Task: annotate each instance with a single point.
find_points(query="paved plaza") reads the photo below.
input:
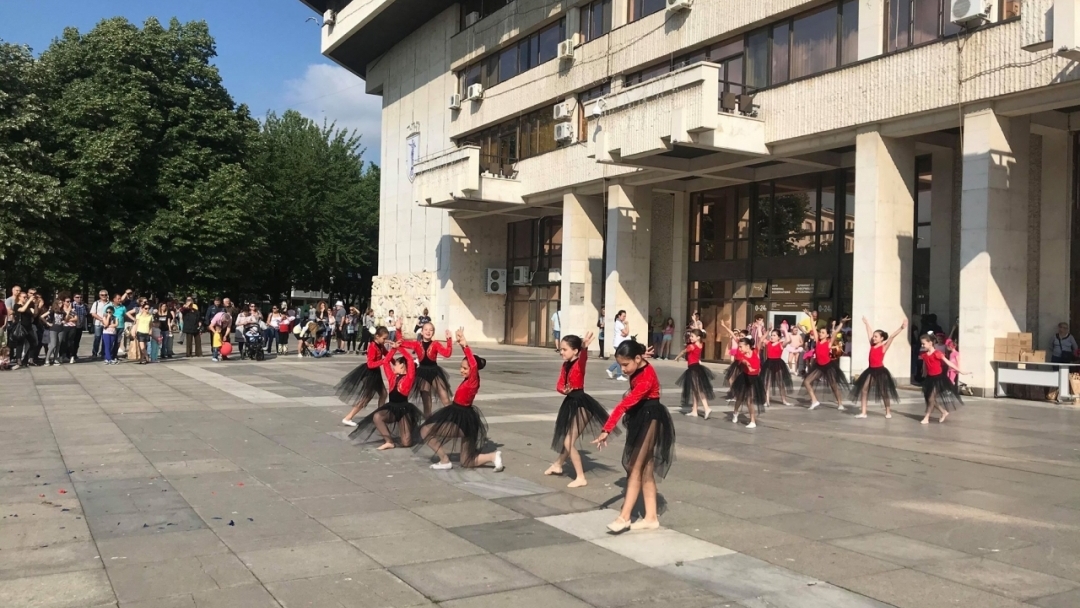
(234, 485)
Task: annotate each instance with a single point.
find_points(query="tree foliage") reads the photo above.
(124, 162)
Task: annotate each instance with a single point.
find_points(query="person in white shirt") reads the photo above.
(391, 326)
(97, 312)
(621, 334)
(556, 328)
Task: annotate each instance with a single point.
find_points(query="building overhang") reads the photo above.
(457, 180)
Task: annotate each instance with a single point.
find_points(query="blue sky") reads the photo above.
(268, 54)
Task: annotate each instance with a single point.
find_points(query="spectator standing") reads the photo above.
(192, 324)
(391, 325)
(422, 320)
(120, 314)
(24, 334)
(144, 325)
(656, 329)
(273, 325)
(1063, 347)
(352, 326)
(285, 329)
(5, 328)
(159, 330)
(248, 317)
(368, 329)
(234, 313)
(69, 332)
(556, 328)
(600, 334)
(211, 312)
(108, 335)
(97, 313)
(339, 325)
(78, 307)
(53, 320)
(3, 323)
(622, 333)
(124, 336)
(39, 325)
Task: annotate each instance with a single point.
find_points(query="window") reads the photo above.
(849, 32)
(781, 41)
(549, 39)
(475, 10)
(503, 145)
(757, 59)
(807, 44)
(520, 57)
(813, 42)
(644, 8)
(911, 22)
(721, 224)
(595, 19)
(728, 54)
(594, 93)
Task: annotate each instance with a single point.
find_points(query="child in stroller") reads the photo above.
(253, 347)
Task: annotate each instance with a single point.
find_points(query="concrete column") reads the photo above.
(871, 28)
(628, 243)
(680, 264)
(885, 217)
(1054, 268)
(582, 263)
(941, 192)
(993, 238)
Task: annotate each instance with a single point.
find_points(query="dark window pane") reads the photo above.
(549, 40)
(849, 201)
(534, 50)
(757, 59)
(813, 46)
(525, 60)
(643, 8)
(922, 235)
(726, 49)
(781, 39)
(898, 24)
(472, 75)
(849, 32)
(733, 75)
(508, 64)
(927, 19)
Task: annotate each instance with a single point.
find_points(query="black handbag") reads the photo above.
(17, 333)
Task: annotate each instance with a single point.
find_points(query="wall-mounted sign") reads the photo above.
(824, 288)
(791, 289)
(412, 154)
(757, 289)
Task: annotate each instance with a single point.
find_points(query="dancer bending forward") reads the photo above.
(650, 437)
(365, 380)
(397, 415)
(876, 382)
(461, 422)
(696, 381)
(579, 412)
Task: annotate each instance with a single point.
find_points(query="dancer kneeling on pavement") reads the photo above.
(748, 387)
(365, 381)
(579, 411)
(876, 382)
(397, 414)
(696, 381)
(461, 422)
(650, 437)
(826, 370)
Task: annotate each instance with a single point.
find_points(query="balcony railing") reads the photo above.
(497, 165)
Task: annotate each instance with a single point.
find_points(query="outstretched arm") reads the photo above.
(869, 332)
(892, 336)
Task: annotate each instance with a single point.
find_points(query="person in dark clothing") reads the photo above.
(193, 326)
(211, 312)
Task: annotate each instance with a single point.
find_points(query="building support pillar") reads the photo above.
(582, 264)
(941, 218)
(993, 238)
(1054, 236)
(884, 245)
(629, 240)
(680, 266)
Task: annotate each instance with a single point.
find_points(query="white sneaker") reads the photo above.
(735, 418)
(814, 405)
(347, 422)
(610, 374)
(499, 467)
(72, 360)
(623, 379)
(300, 355)
(439, 466)
(860, 415)
(752, 425)
(840, 407)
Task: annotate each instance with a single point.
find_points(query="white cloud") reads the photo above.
(333, 93)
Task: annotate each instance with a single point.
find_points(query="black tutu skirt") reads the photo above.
(458, 428)
(878, 384)
(696, 379)
(637, 421)
(590, 415)
(947, 396)
(775, 373)
(733, 371)
(402, 415)
(826, 375)
(751, 390)
(361, 384)
(429, 376)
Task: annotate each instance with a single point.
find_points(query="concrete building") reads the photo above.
(737, 157)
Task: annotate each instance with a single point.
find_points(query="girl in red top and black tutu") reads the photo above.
(365, 381)
(826, 370)
(748, 387)
(650, 437)
(461, 422)
(876, 382)
(696, 381)
(397, 415)
(938, 391)
(579, 412)
(774, 371)
(429, 376)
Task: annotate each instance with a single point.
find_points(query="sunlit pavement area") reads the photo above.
(234, 484)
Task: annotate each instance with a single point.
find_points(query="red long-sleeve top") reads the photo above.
(433, 350)
(693, 354)
(466, 391)
(643, 385)
(375, 355)
(572, 374)
(394, 382)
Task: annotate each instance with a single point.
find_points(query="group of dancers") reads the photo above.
(391, 373)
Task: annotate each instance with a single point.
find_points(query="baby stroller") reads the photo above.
(253, 347)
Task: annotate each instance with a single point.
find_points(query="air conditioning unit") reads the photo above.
(969, 12)
(329, 17)
(522, 276)
(475, 92)
(495, 281)
(562, 111)
(1066, 29)
(564, 131)
(471, 18)
(455, 102)
(679, 5)
(566, 50)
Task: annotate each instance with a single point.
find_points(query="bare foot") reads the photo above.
(888, 414)
(708, 412)
(553, 470)
(943, 417)
(578, 483)
(386, 446)
(925, 421)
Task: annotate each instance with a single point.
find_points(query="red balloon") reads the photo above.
(226, 349)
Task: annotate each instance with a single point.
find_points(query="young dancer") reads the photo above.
(748, 387)
(794, 349)
(876, 381)
(430, 377)
(461, 422)
(397, 415)
(826, 369)
(650, 437)
(696, 381)
(733, 351)
(579, 411)
(937, 390)
(665, 341)
(775, 370)
(365, 381)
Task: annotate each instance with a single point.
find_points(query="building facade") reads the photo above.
(869, 158)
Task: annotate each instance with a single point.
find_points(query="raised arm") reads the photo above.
(445, 350)
(892, 336)
(869, 332)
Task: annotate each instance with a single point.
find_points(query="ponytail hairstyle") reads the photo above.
(700, 333)
(884, 335)
(630, 349)
(381, 331)
(747, 341)
(930, 337)
(481, 362)
(573, 341)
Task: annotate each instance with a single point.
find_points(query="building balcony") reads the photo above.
(463, 179)
(673, 120)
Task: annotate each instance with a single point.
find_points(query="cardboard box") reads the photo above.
(1013, 334)
(1027, 342)
(1007, 356)
(1001, 345)
(1014, 342)
(1037, 356)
